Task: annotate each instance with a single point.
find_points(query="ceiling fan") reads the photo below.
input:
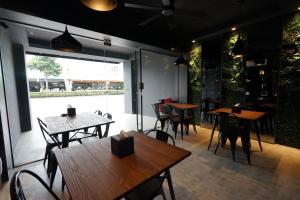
(168, 11)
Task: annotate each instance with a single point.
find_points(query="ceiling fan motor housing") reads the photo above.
(167, 12)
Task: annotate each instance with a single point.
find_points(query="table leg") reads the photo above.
(213, 130)
(258, 135)
(246, 141)
(194, 121)
(170, 184)
(99, 130)
(65, 139)
(181, 122)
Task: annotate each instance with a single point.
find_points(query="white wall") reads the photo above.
(160, 80)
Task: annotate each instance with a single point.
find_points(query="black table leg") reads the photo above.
(99, 130)
(181, 122)
(246, 141)
(194, 121)
(213, 131)
(170, 184)
(258, 135)
(65, 139)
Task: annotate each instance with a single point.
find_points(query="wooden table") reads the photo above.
(64, 125)
(181, 107)
(246, 115)
(91, 171)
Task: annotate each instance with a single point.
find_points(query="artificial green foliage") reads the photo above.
(195, 68)
(232, 73)
(290, 56)
(195, 77)
(288, 123)
(46, 65)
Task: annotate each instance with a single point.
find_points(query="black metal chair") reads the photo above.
(51, 142)
(160, 115)
(231, 127)
(161, 135)
(153, 187)
(16, 190)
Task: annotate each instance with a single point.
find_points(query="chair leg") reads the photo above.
(233, 145)
(219, 140)
(46, 155)
(162, 122)
(155, 124)
(163, 193)
(53, 172)
(213, 131)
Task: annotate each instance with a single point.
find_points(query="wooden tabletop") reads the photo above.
(245, 114)
(59, 124)
(91, 171)
(183, 106)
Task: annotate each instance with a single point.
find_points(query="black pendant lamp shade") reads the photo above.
(239, 48)
(181, 61)
(66, 43)
(100, 5)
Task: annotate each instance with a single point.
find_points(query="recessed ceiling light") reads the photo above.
(193, 41)
(173, 49)
(299, 8)
(233, 28)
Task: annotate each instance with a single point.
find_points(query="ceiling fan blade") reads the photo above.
(191, 13)
(132, 5)
(171, 22)
(166, 3)
(149, 20)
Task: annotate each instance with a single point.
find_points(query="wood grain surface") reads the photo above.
(91, 171)
(245, 114)
(59, 124)
(182, 106)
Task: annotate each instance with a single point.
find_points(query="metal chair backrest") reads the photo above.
(98, 112)
(16, 190)
(108, 116)
(45, 132)
(227, 120)
(156, 109)
(162, 136)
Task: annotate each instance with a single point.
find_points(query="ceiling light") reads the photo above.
(193, 41)
(173, 49)
(299, 8)
(66, 43)
(239, 49)
(233, 28)
(181, 61)
(100, 5)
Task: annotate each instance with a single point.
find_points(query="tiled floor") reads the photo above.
(274, 173)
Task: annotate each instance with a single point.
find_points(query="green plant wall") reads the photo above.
(232, 72)
(194, 86)
(288, 125)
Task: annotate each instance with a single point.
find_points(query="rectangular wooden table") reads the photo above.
(91, 171)
(181, 107)
(246, 115)
(64, 125)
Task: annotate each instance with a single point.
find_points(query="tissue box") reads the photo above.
(71, 112)
(122, 147)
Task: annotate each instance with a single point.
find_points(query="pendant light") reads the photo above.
(100, 5)
(181, 61)
(239, 48)
(66, 43)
